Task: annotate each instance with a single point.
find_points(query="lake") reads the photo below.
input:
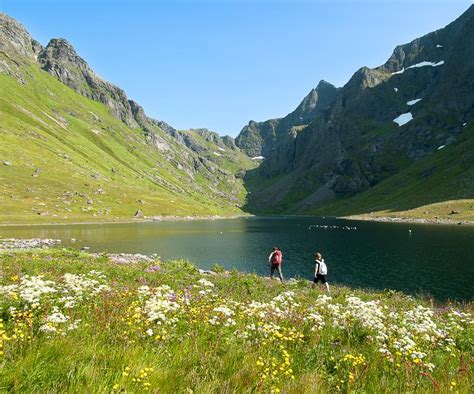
(431, 259)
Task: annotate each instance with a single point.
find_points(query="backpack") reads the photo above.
(322, 268)
(275, 257)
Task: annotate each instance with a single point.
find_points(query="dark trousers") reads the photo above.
(278, 268)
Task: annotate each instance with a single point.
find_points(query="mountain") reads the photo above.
(395, 138)
(73, 147)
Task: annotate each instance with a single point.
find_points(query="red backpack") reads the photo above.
(276, 257)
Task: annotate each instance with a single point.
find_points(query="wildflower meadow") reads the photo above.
(72, 321)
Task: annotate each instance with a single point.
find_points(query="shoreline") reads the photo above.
(152, 219)
(389, 219)
(130, 259)
(190, 218)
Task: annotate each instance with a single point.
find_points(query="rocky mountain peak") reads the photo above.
(15, 39)
(429, 47)
(367, 77)
(59, 59)
(324, 85)
(16, 48)
(61, 49)
(259, 138)
(316, 101)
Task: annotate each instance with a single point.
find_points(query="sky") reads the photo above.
(221, 63)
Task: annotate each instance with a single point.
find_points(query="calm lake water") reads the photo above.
(432, 259)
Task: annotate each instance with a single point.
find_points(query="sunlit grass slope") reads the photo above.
(64, 158)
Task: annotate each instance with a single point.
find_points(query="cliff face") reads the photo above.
(381, 122)
(260, 138)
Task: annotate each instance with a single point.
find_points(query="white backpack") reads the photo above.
(322, 268)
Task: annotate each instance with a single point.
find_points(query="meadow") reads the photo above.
(77, 322)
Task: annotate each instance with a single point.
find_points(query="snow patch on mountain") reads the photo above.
(424, 64)
(403, 119)
(413, 102)
(421, 64)
(399, 72)
(258, 158)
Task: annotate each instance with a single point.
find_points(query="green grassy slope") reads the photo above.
(72, 161)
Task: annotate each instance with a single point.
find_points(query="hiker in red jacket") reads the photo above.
(274, 260)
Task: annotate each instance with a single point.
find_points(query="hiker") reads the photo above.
(320, 271)
(275, 262)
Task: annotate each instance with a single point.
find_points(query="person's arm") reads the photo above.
(316, 268)
(270, 257)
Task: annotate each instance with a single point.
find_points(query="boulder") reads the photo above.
(139, 214)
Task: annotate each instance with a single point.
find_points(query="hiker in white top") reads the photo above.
(320, 271)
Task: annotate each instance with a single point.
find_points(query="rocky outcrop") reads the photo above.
(15, 41)
(61, 60)
(17, 48)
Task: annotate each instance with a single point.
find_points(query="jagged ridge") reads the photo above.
(355, 145)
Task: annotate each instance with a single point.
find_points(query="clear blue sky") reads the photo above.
(219, 64)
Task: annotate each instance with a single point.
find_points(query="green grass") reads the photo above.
(83, 154)
(310, 344)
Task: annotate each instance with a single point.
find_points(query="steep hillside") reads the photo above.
(74, 148)
(394, 138)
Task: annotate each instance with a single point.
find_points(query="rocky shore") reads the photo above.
(129, 258)
(33, 243)
(388, 219)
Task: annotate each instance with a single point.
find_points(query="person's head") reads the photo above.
(318, 256)
(275, 248)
